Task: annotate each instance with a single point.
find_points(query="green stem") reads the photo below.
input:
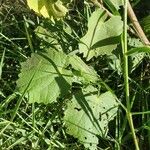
(125, 49)
(28, 35)
(33, 115)
(140, 113)
(126, 77)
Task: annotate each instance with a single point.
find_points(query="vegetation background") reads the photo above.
(39, 126)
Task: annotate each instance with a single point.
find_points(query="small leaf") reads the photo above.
(58, 9)
(48, 37)
(134, 42)
(115, 63)
(51, 79)
(102, 36)
(136, 56)
(88, 115)
(135, 60)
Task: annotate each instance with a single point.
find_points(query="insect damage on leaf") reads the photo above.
(88, 115)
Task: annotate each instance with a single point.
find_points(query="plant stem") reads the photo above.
(125, 49)
(126, 77)
(130, 120)
(137, 26)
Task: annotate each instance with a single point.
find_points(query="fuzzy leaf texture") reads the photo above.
(88, 114)
(48, 8)
(102, 36)
(51, 79)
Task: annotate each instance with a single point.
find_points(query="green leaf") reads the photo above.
(82, 70)
(136, 56)
(48, 37)
(137, 50)
(117, 3)
(48, 8)
(51, 79)
(102, 36)
(113, 6)
(135, 60)
(134, 42)
(115, 63)
(88, 114)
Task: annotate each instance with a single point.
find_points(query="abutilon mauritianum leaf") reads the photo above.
(50, 80)
(88, 114)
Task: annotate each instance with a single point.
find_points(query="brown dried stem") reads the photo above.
(137, 26)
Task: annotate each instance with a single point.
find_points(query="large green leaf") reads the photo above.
(51, 79)
(102, 36)
(88, 114)
(82, 71)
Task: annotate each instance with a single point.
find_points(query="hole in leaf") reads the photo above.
(78, 109)
(100, 116)
(107, 115)
(90, 144)
(85, 138)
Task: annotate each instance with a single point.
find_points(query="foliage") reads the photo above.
(51, 79)
(68, 81)
(101, 38)
(87, 115)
